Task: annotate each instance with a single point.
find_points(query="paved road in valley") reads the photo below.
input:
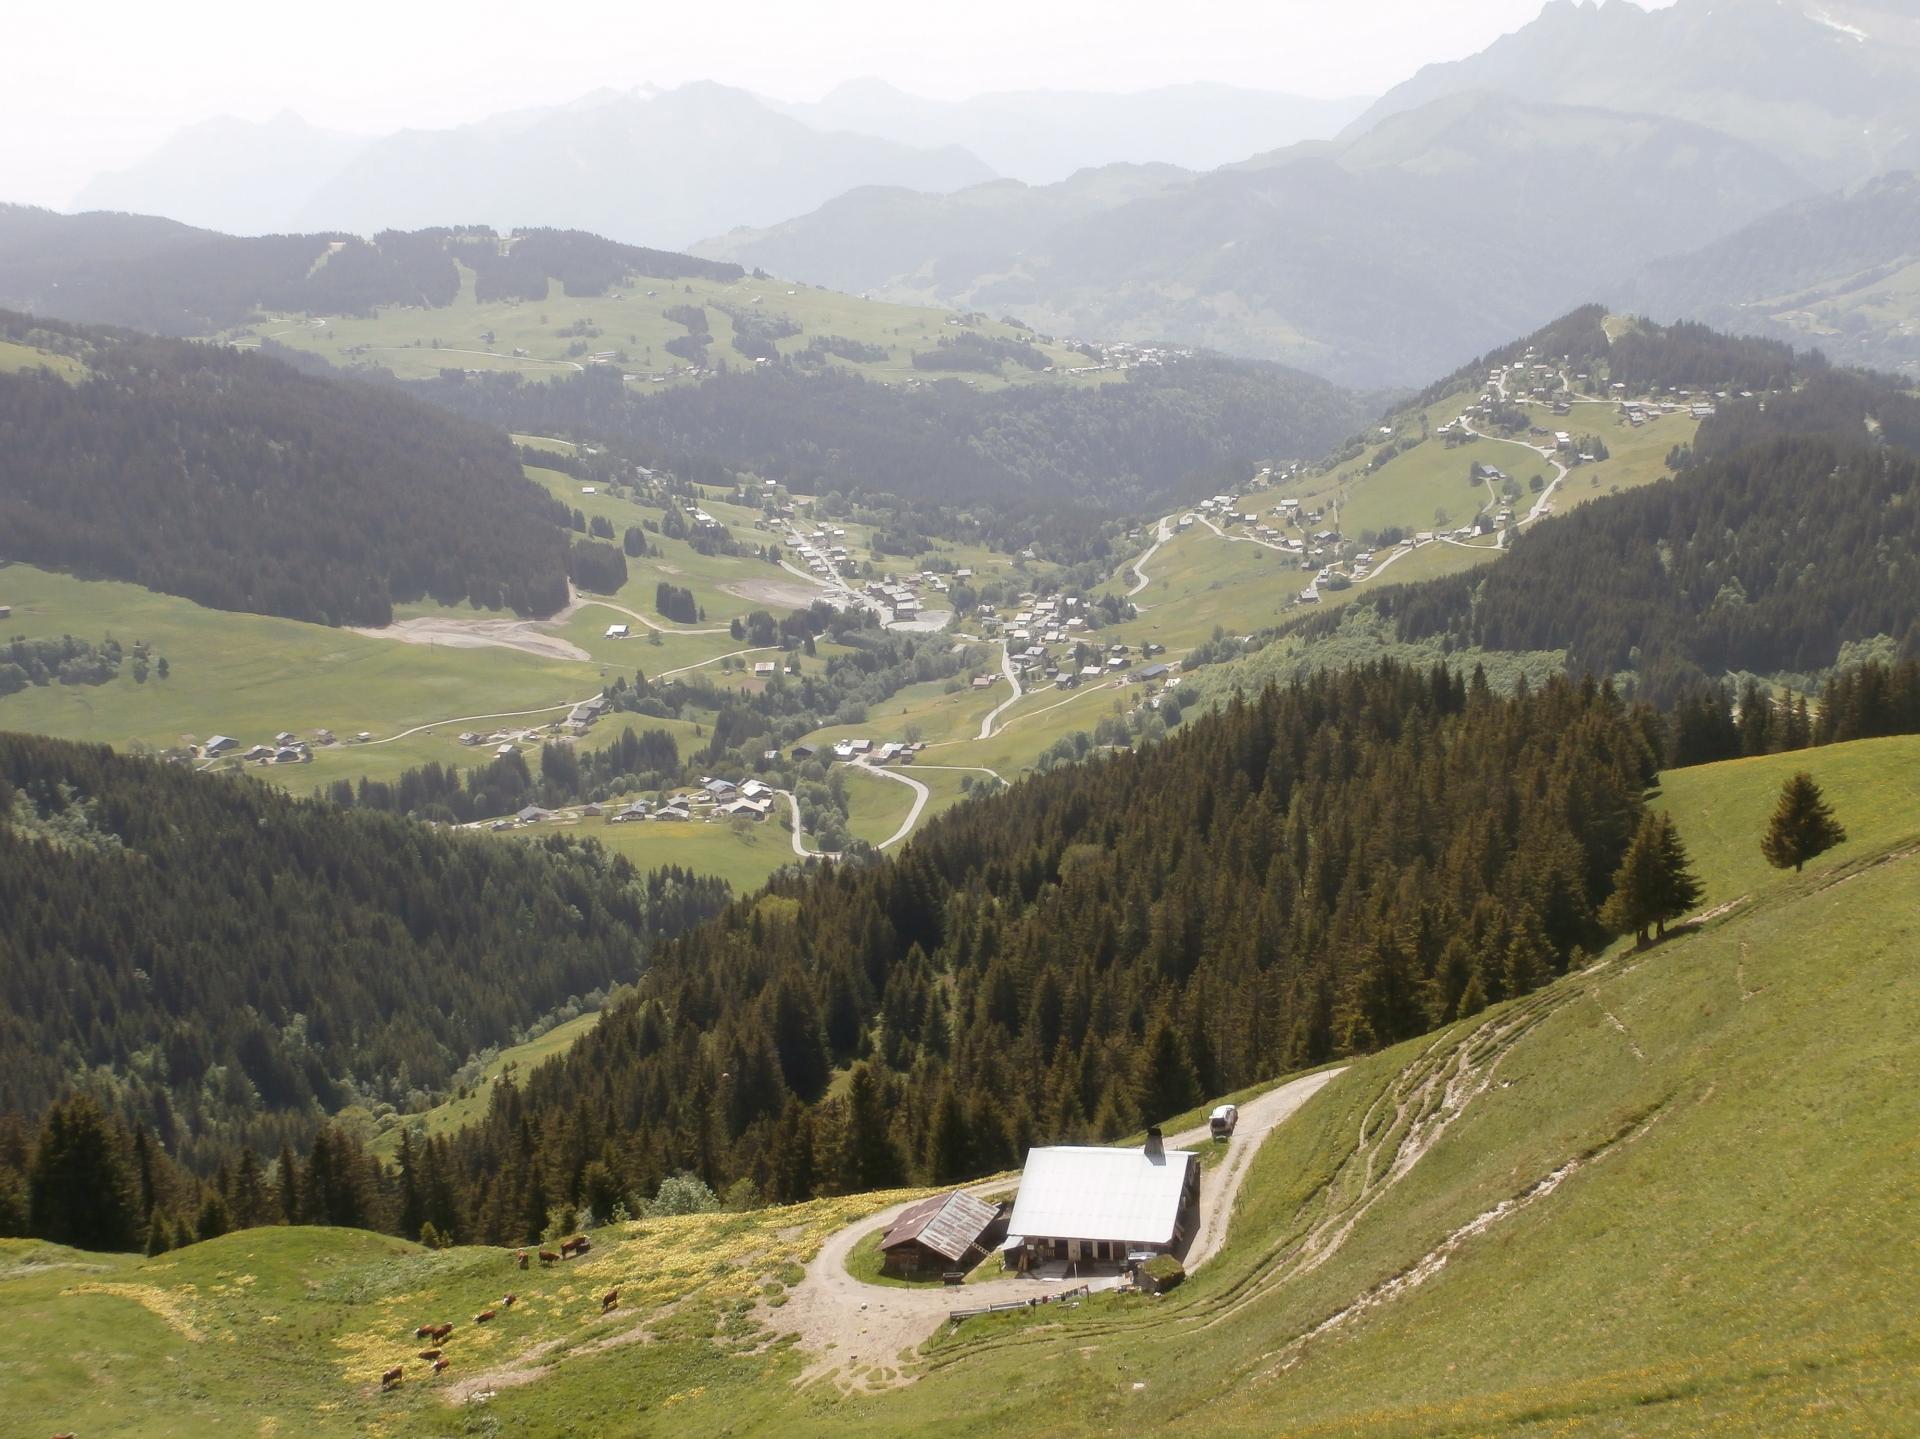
(1013, 682)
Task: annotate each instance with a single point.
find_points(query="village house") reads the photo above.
(219, 744)
(945, 1232)
(1093, 1205)
(617, 632)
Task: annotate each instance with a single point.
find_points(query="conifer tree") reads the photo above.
(81, 1189)
(1802, 825)
(869, 1159)
(213, 1220)
(1168, 1085)
(1653, 883)
(286, 1186)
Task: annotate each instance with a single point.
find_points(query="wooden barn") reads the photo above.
(943, 1232)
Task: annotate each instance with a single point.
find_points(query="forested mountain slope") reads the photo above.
(1837, 271)
(1170, 431)
(1318, 872)
(1687, 1165)
(236, 481)
(230, 965)
(1795, 530)
(154, 274)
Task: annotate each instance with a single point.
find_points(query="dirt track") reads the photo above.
(847, 1325)
(790, 593)
(477, 634)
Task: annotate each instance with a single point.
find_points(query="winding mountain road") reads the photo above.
(843, 1322)
(1141, 578)
(921, 794)
(1013, 683)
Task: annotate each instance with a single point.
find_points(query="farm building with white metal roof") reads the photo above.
(1099, 1205)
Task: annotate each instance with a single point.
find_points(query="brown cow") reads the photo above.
(579, 1244)
(429, 1354)
(440, 1332)
(547, 1256)
(440, 1365)
(423, 1331)
(392, 1377)
(507, 1303)
(609, 1300)
(485, 1316)
(522, 1258)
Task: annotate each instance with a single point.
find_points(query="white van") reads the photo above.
(1222, 1121)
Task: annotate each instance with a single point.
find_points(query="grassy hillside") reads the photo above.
(632, 322)
(1691, 1168)
(1722, 809)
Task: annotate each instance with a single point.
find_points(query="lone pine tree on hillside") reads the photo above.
(1653, 883)
(1802, 825)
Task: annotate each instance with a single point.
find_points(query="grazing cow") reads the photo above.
(579, 1244)
(485, 1316)
(507, 1303)
(440, 1365)
(423, 1331)
(440, 1332)
(392, 1377)
(429, 1354)
(522, 1257)
(609, 1300)
(547, 1256)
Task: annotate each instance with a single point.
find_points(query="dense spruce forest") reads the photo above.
(1165, 433)
(1320, 871)
(1766, 559)
(227, 966)
(237, 482)
(172, 279)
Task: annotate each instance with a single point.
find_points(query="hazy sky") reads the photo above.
(95, 84)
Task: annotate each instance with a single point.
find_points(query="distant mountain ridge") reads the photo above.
(1832, 86)
(173, 279)
(646, 167)
(667, 167)
(1378, 259)
(1041, 136)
